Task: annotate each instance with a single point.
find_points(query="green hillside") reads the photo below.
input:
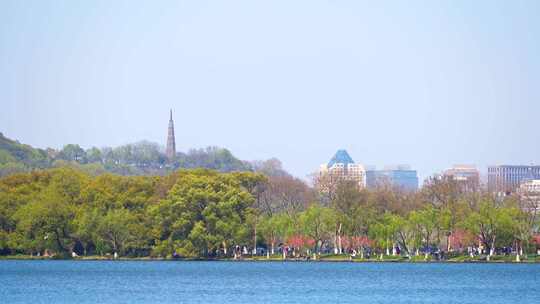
(141, 158)
(17, 157)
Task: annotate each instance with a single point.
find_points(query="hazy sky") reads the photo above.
(427, 83)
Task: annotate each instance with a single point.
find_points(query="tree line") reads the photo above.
(141, 158)
(204, 213)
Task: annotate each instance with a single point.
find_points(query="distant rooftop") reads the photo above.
(400, 167)
(464, 166)
(341, 157)
(516, 166)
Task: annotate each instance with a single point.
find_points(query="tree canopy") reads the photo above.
(207, 213)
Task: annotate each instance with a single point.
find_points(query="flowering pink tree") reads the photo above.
(358, 243)
(300, 242)
(536, 240)
(460, 239)
(346, 243)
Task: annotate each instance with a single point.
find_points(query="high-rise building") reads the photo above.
(170, 151)
(466, 175)
(399, 177)
(507, 179)
(342, 167)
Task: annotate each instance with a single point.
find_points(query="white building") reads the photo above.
(342, 167)
(531, 186)
(529, 193)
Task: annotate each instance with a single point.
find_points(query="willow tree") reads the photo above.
(318, 223)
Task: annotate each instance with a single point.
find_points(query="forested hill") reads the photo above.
(16, 157)
(141, 158)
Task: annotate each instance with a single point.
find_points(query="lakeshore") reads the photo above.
(530, 259)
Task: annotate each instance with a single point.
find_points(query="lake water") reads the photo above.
(76, 282)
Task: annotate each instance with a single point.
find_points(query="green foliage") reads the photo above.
(206, 210)
(12, 151)
(65, 210)
(211, 158)
(141, 158)
(118, 230)
(6, 157)
(495, 223)
(16, 157)
(384, 231)
(318, 223)
(73, 152)
(46, 222)
(206, 213)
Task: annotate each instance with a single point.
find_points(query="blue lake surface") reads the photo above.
(265, 282)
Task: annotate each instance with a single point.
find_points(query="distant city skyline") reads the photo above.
(420, 83)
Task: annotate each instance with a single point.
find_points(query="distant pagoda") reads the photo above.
(171, 144)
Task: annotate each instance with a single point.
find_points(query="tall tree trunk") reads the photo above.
(404, 244)
(59, 243)
(336, 242)
(255, 241)
(518, 251)
(340, 247)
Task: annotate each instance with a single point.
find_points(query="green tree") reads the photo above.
(318, 223)
(489, 222)
(384, 231)
(86, 225)
(47, 222)
(117, 229)
(426, 223)
(94, 155)
(217, 203)
(73, 152)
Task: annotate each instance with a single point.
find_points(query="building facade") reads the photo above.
(400, 177)
(342, 167)
(530, 186)
(507, 179)
(529, 193)
(466, 175)
(170, 151)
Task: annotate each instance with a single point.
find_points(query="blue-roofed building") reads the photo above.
(341, 157)
(400, 177)
(342, 167)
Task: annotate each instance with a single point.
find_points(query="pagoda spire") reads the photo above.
(171, 143)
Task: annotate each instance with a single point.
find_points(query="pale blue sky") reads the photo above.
(428, 83)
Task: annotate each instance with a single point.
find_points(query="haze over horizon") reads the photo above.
(420, 83)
